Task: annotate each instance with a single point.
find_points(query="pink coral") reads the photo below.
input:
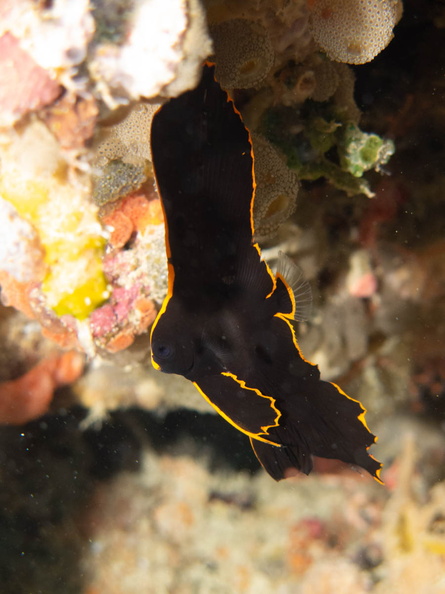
(28, 397)
(102, 320)
(26, 86)
(115, 324)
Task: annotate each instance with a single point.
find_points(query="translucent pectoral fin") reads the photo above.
(301, 293)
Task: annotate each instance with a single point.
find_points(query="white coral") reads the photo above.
(56, 37)
(162, 55)
(21, 254)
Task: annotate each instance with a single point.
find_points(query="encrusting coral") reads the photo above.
(138, 274)
(62, 261)
(123, 161)
(317, 78)
(327, 78)
(129, 138)
(273, 50)
(247, 62)
(55, 266)
(116, 179)
(56, 36)
(34, 179)
(276, 188)
(353, 31)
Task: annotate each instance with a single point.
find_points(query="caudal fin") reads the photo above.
(327, 423)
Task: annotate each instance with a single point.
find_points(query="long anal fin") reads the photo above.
(245, 408)
(278, 460)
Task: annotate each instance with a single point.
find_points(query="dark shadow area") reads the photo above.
(45, 483)
(386, 80)
(184, 432)
(49, 470)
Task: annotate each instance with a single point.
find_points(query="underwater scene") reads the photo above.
(222, 296)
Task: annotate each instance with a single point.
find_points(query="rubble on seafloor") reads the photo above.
(126, 484)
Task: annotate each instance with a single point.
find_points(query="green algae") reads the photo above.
(318, 142)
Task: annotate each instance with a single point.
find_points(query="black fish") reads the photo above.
(227, 323)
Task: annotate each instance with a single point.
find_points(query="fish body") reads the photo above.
(227, 323)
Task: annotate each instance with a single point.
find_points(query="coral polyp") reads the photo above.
(354, 31)
(276, 188)
(245, 62)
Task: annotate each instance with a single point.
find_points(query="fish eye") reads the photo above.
(163, 351)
